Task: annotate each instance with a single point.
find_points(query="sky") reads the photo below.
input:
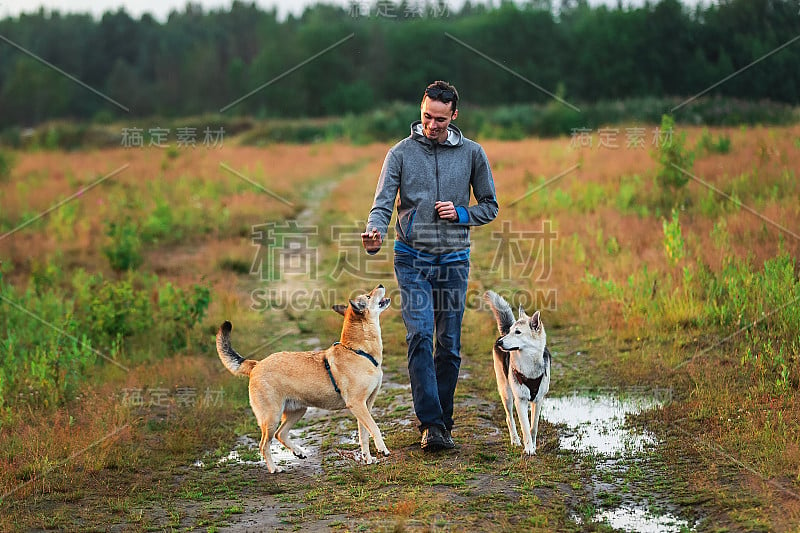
(161, 8)
(158, 8)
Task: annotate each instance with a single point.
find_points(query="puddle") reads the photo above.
(234, 457)
(595, 424)
(248, 447)
(637, 519)
(245, 449)
(350, 439)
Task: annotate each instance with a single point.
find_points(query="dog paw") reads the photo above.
(276, 470)
(516, 442)
(385, 452)
(370, 460)
(530, 453)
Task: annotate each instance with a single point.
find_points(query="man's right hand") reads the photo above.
(372, 240)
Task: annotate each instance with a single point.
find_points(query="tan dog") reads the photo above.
(346, 375)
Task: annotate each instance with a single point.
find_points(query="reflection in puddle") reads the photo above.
(234, 456)
(596, 425)
(636, 519)
(283, 457)
(597, 422)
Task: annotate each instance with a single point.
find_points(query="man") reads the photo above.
(433, 170)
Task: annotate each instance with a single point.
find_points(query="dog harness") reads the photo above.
(359, 352)
(532, 384)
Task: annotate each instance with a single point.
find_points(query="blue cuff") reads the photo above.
(463, 214)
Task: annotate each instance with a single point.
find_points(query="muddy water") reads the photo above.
(641, 520)
(245, 452)
(595, 425)
(592, 425)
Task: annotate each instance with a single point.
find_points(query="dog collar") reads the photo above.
(359, 352)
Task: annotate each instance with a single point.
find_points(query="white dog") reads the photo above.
(522, 367)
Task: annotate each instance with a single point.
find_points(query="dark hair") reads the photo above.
(442, 92)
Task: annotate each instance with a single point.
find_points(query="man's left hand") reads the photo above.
(446, 210)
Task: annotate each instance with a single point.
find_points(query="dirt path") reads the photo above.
(260, 511)
(619, 477)
(593, 467)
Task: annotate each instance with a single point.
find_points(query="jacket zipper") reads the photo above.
(438, 195)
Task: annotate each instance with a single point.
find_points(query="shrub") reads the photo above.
(707, 144)
(45, 362)
(160, 224)
(117, 311)
(178, 312)
(6, 164)
(238, 266)
(124, 252)
(674, 158)
(41, 363)
(764, 305)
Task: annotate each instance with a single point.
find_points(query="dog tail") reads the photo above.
(502, 311)
(235, 363)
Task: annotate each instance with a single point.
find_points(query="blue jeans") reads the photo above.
(433, 298)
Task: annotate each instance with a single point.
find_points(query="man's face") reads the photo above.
(436, 116)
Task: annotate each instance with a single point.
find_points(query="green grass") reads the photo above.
(739, 397)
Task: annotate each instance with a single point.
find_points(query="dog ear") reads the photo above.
(358, 307)
(339, 308)
(536, 321)
(521, 313)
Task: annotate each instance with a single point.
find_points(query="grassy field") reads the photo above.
(116, 413)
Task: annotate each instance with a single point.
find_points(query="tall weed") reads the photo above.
(674, 159)
(763, 304)
(756, 309)
(674, 245)
(42, 361)
(53, 333)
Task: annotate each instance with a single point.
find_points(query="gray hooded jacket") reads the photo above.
(424, 172)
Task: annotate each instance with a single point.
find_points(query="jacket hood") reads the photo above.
(454, 135)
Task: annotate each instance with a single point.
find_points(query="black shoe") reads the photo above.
(448, 440)
(433, 439)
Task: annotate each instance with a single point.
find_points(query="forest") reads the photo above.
(367, 55)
